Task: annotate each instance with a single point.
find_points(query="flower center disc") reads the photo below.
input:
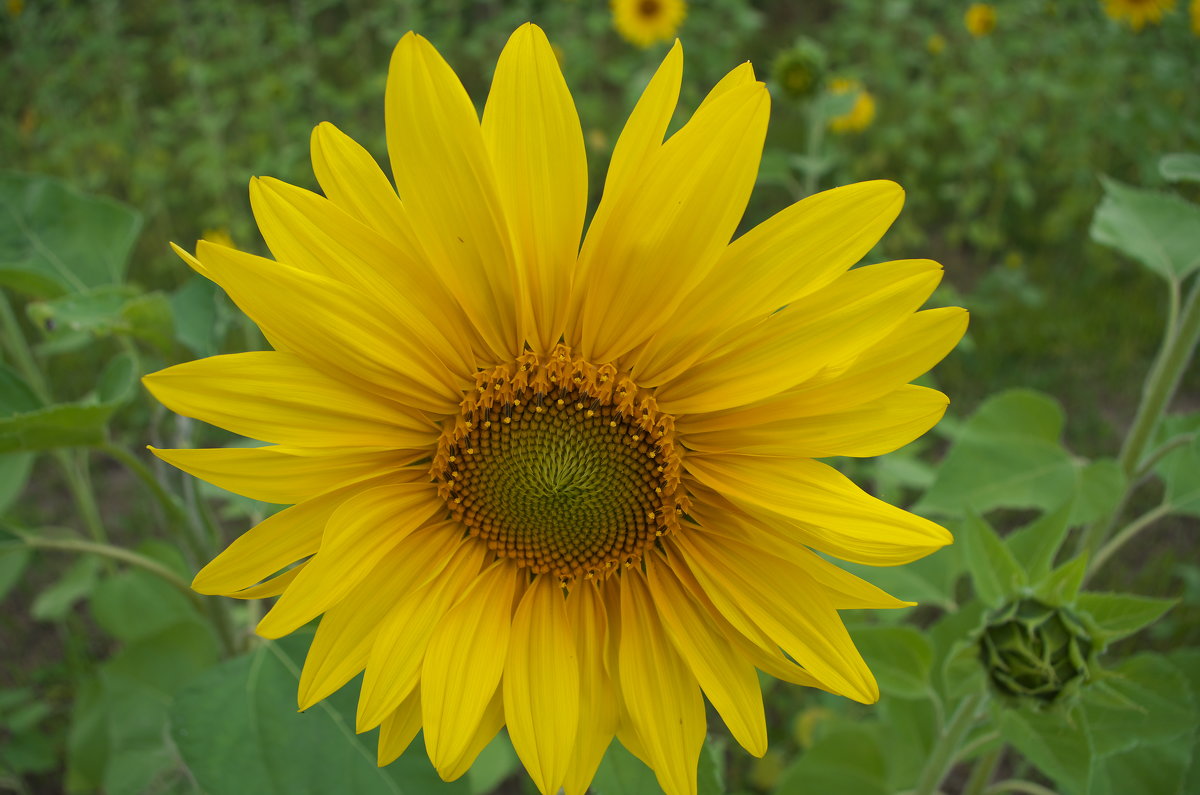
(561, 465)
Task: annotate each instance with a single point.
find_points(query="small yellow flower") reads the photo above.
(218, 236)
(643, 22)
(935, 44)
(15, 7)
(1195, 13)
(980, 19)
(859, 117)
(1136, 13)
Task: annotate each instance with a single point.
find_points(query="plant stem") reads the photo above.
(982, 772)
(1163, 381)
(14, 339)
(945, 751)
(175, 511)
(1128, 532)
(816, 138)
(80, 487)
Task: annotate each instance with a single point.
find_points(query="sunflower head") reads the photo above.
(935, 44)
(980, 19)
(1138, 13)
(559, 481)
(800, 69)
(861, 113)
(1037, 653)
(644, 22)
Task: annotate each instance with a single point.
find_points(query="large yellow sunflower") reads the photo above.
(1136, 13)
(563, 489)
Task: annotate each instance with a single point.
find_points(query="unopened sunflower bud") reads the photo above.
(1034, 651)
(800, 69)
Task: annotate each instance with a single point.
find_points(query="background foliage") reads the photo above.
(1031, 160)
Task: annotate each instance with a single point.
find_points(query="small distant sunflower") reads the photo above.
(980, 19)
(563, 489)
(1194, 13)
(1136, 13)
(861, 113)
(643, 22)
(936, 44)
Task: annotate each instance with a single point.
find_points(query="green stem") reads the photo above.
(982, 772)
(946, 750)
(1164, 380)
(81, 492)
(1161, 452)
(1019, 785)
(816, 138)
(1125, 535)
(14, 339)
(116, 553)
(175, 511)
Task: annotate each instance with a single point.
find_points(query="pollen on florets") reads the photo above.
(561, 465)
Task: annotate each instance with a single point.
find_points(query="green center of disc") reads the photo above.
(558, 484)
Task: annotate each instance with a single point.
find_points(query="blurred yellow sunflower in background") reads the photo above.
(643, 22)
(980, 19)
(861, 113)
(1194, 13)
(1136, 13)
(563, 489)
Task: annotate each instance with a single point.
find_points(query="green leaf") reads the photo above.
(65, 425)
(15, 393)
(995, 573)
(622, 773)
(900, 657)
(928, 581)
(495, 763)
(1101, 484)
(1119, 614)
(1159, 230)
(1007, 455)
(1148, 702)
(847, 761)
(1037, 544)
(76, 583)
(134, 604)
(1060, 749)
(1061, 586)
(910, 726)
(1180, 167)
(238, 731)
(12, 565)
(54, 239)
(201, 315)
(1180, 468)
(14, 474)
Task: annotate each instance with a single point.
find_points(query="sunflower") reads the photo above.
(1136, 13)
(643, 22)
(980, 19)
(861, 113)
(556, 488)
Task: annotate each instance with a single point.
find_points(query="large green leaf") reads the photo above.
(1180, 167)
(1159, 230)
(847, 761)
(1121, 614)
(900, 657)
(995, 574)
(1060, 748)
(1007, 455)
(1147, 702)
(1180, 468)
(238, 730)
(54, 239)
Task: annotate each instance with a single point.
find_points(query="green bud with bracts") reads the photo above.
(800, 70)
(1035, 652)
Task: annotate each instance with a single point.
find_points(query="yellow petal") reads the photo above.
(448, 185)
(910, 349)
(464, 662)
(854, 312)
(597, 699)
(746, 588)
(485, 732)
(845, 590)
(312, 233)
(643, 133)
(274, 543)
(740, 75)
(362, 530)
(342, 645)
(541, 684)
(397, 731)
(287, 475)
(335, 328)
(869, 429)
(271, 587)
(394, 665)
(794, 253)
(277, 397)
(755, 644)
(532, 133)
(352, 180)
(659, 690)
(843, 515)
(661, 239)
(726, 677)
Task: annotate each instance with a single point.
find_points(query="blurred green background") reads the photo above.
(998, 139)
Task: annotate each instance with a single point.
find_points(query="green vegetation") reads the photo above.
(1068, 468)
